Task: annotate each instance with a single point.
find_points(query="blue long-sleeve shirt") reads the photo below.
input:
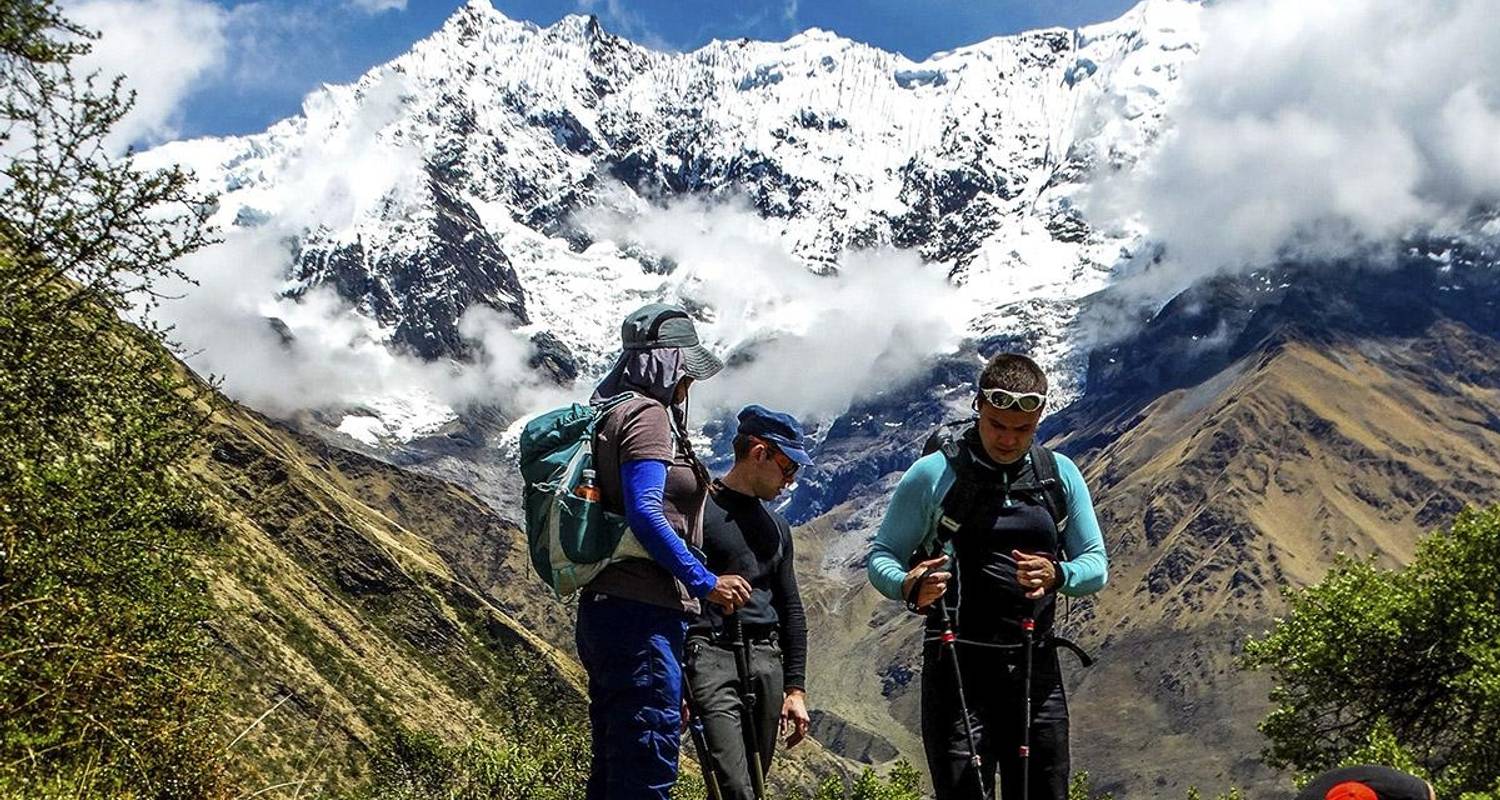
(643, 482)
(911, 523)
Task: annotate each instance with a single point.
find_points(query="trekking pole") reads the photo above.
(1028, 635)
(700, 743)
(705, 760)
(949, 643)
(749, 704)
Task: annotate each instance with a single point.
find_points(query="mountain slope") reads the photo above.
(358, 599)
(1316, 422)
(341, 623)
(1343, 424)
(1229, 491)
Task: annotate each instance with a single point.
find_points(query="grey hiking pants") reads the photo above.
(714, 697)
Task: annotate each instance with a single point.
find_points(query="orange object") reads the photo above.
(586, 488)
(1351, 790)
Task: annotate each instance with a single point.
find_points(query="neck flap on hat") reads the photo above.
(653, 373)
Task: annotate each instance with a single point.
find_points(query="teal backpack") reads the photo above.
(571, 538)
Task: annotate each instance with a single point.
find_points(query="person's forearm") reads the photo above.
(1085, 574)
(886, 570)
(1087, 568)
(793, 633)
(643, 484)
(902, 530)
(900, 534)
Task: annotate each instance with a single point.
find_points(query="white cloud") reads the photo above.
(1318, 130)
(378, 6)
(801, 342)
(814, 343)
(163, 47)
(337, 356)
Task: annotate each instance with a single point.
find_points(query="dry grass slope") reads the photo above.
(340, 619)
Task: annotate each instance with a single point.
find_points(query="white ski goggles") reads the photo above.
(1007, 400)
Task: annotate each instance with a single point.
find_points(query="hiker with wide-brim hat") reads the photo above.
(633, 616)
(747, 671)
(1367, 782)
(981, 535)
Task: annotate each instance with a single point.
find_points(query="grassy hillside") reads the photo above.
(342, 624)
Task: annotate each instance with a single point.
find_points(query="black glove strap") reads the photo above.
(916, 589)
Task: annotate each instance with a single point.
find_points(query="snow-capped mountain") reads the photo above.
(500, 165)
(444, 243)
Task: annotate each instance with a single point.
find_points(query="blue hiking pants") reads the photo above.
(632, 653)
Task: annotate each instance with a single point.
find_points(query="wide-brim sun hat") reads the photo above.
(660, 325)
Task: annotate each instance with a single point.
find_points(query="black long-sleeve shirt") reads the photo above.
(743, 537)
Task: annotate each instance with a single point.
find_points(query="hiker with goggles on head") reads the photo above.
(746, 671)
(981, 535)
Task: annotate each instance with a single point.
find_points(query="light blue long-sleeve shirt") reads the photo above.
(911, 521)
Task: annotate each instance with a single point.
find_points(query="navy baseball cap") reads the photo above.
(779, 429)
(658, 325)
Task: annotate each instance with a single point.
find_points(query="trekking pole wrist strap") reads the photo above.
(916, 590)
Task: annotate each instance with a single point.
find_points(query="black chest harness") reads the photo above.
(991, 512)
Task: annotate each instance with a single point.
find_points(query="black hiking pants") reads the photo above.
(992, 682)
(715, 699)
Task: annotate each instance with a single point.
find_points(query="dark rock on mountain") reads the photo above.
(423, 294)
(881, 435)
(554, 357)
(1207, 327)
(849, 740)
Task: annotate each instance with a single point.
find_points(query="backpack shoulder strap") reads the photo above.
(608, 404)
(784, 532)
(1049, 479)
(956, 503)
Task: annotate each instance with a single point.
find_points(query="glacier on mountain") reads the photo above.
(480, 169)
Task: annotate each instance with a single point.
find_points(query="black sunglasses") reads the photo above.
(784, 462)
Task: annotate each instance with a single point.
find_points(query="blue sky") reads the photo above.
(276, 51)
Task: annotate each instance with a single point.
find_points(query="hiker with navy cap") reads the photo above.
(747, 670)
(633, 615)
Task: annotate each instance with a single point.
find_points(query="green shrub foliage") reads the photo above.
(105, 683)
(1396, 666)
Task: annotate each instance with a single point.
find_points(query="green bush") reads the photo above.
(538, 758)
(105, 673)
(903, 783)
(553, 765)
(1396, 666)
(106, 688)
